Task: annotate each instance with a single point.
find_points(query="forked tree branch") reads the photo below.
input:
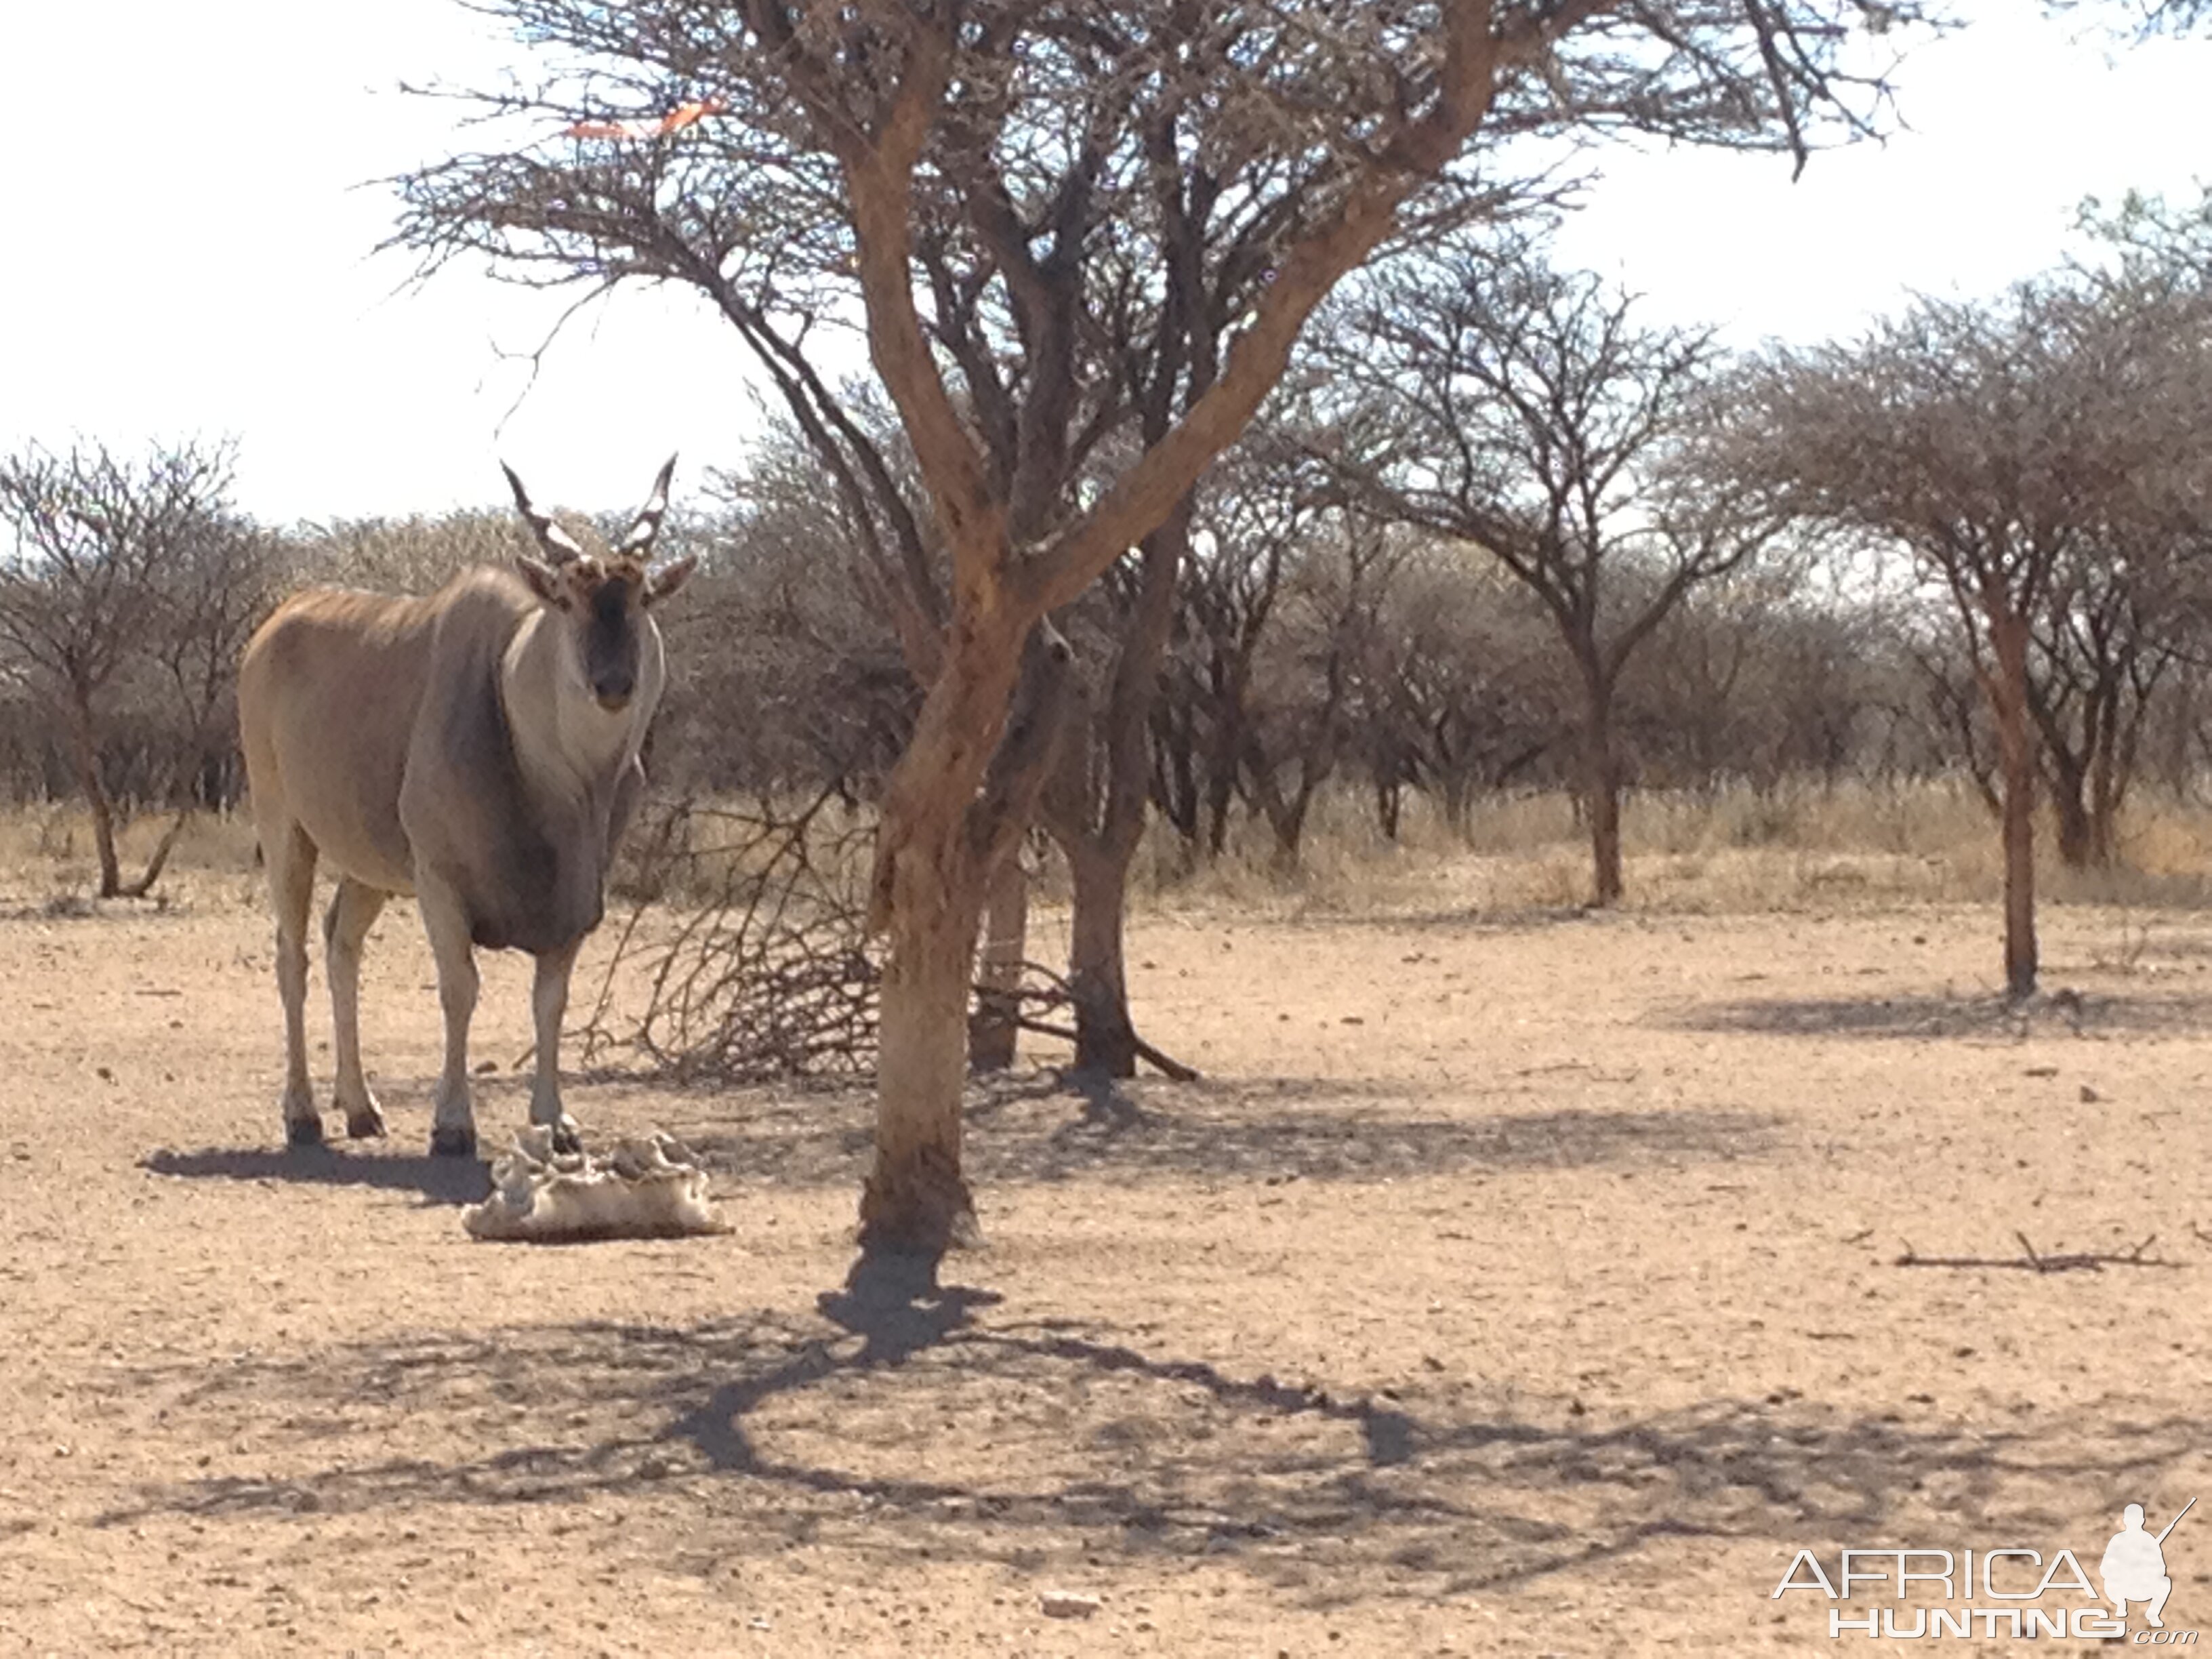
(1310, 267)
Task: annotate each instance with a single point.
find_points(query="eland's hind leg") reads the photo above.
(290, 857)
(453, 1119)
(548, 1002)
(353, 911)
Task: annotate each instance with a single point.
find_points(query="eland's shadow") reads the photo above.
(439, 1180)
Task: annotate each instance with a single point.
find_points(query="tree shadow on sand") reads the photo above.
(1989, 1018)
(1046, 1129)
(905, 1419)
(437, 1179)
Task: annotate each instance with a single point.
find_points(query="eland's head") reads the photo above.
(602, 602)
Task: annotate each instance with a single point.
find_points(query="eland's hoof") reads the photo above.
(365, 1123)
(303, 1132)
(447, 1142)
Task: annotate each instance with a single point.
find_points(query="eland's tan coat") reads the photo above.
(478, 749)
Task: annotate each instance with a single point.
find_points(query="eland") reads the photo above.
(477, 749)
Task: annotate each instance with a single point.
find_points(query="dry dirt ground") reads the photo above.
(1508, 1287)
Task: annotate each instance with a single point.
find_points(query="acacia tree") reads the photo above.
(2000, 445)
(1521, 409)
(2126, 604)
(1315, 669)
(951, 167)
(2102, 646)
(116, 565)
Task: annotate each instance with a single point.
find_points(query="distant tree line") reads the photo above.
(1491, 535)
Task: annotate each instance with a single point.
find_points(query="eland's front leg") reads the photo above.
(452, 1119)
(548, 1003)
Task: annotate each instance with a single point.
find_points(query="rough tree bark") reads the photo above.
(937, 853)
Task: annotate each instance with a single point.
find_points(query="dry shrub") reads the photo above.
(744, 954)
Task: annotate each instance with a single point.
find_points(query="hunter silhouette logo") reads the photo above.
(2133, 1567)
(2009, 1591)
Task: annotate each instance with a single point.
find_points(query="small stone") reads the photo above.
(2089, 1097)
(1068, 1604)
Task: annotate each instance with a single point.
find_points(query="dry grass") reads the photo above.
(1734, 853)
(47, 861)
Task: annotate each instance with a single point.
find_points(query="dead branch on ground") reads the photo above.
(2033, 1261)
(769, 972)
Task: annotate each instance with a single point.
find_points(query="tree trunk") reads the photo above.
(158, 862)
(1222, 760)
(1099, 856)
(994, 1032)
(1105, 1034)
(1601, 788)
(1284, 815)
(2076, 834)
(1389, 804)
(86, 744)
(1175, 777)
(2106, 786)
(2008, 692)
(916, 1198)
(1459, 800)
(951, 811)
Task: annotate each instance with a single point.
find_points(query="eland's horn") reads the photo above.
(638, 539)
(560, 546)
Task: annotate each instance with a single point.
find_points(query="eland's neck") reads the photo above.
(571, 750)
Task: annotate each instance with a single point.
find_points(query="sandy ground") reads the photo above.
(1508, 1288)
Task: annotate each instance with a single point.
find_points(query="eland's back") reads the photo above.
(328, 695)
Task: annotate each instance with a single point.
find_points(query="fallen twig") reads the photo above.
(1166, 1065)
(2033, 1260)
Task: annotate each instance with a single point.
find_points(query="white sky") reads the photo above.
(191, 237)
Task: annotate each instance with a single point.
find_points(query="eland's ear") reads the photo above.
(664, 582)
(543, 580)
